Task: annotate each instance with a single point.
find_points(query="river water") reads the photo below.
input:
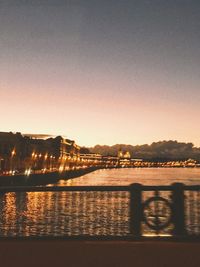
(145, 176)
(86, 213)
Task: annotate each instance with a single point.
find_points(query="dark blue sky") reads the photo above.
(101, 71)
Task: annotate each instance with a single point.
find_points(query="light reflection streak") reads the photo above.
(10, 213)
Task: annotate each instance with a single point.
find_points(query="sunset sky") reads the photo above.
(101, 71)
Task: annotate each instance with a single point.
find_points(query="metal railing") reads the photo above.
(124, 212)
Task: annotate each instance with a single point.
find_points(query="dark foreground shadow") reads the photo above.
(98, 253)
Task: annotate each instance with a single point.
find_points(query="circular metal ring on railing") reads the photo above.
(157, 213)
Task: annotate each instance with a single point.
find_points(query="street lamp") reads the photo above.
(13, 153)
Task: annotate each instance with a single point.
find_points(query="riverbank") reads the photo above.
(98, 253)
(35, 179)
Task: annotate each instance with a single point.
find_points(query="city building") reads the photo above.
(20, 153)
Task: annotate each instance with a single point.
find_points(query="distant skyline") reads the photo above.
(101, 72)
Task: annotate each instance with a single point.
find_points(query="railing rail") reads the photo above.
(93, 188)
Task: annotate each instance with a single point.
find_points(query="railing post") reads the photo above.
(135, 209)
(178, 209)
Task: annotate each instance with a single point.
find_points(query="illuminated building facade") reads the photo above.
(20, 153)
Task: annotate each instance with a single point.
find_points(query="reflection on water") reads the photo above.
(65, 213)
(90, 213)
